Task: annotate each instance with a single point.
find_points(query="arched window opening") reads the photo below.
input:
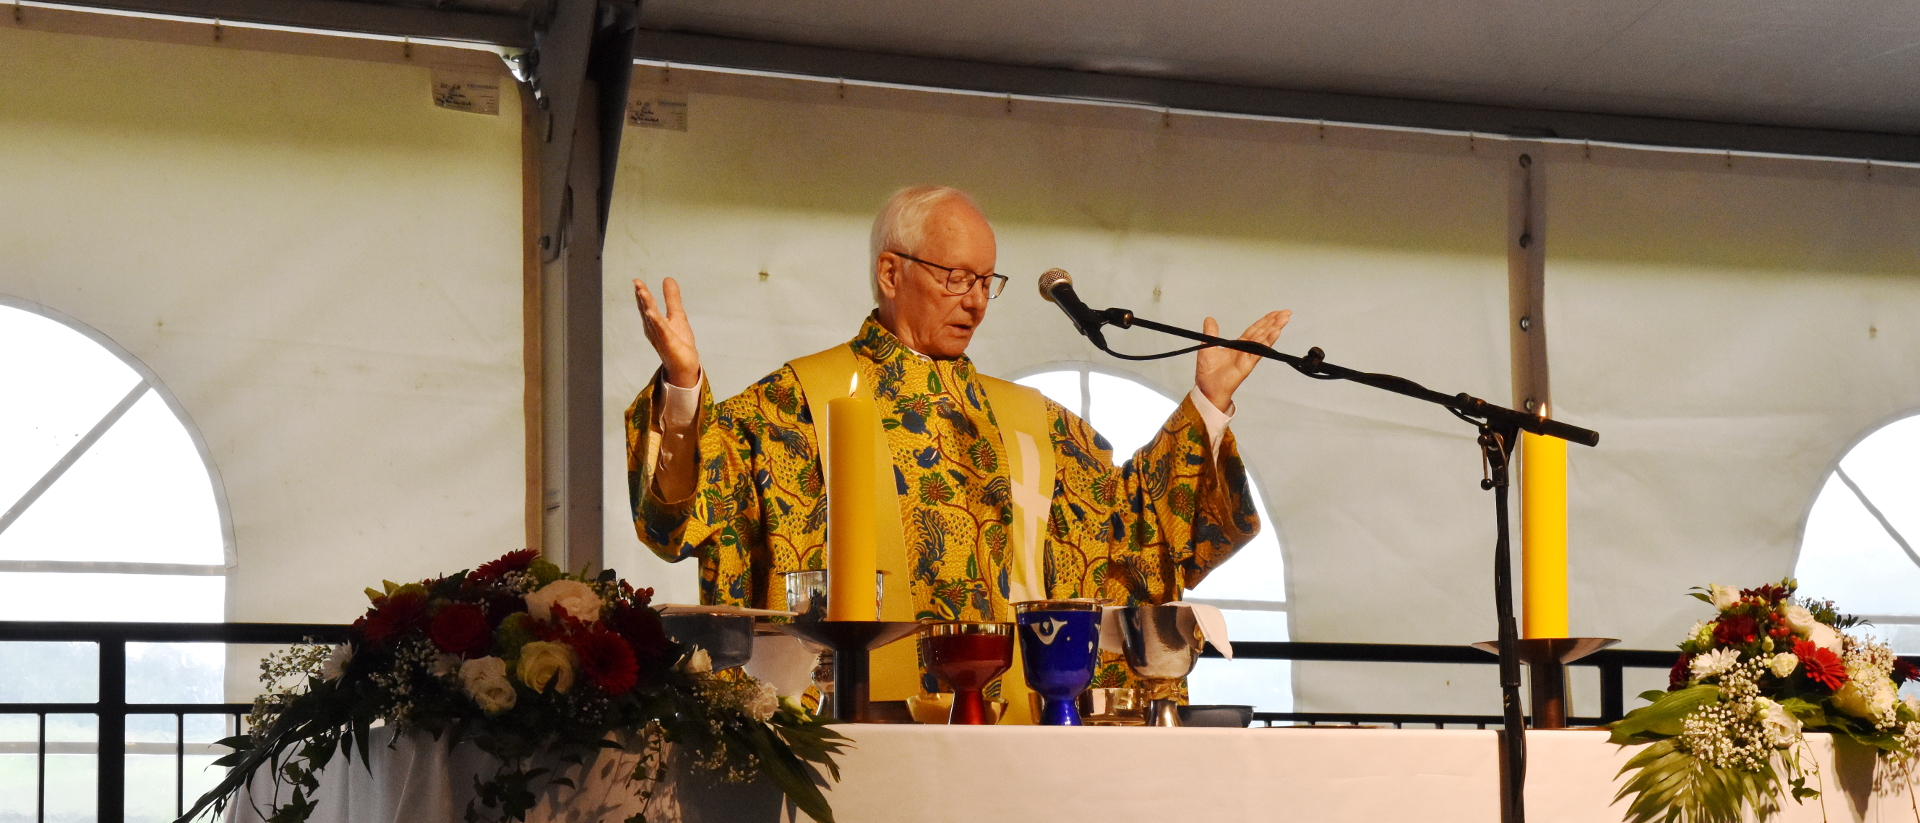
(1251, 590)
(1861, 548)
(109, 511)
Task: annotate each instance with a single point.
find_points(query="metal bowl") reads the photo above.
(728, 638)
(1224, 716)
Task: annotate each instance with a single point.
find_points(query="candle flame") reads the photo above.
(853, 385)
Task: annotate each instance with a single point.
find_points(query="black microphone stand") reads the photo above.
(1499, 429)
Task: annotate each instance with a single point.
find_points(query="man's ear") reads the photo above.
(887, 275)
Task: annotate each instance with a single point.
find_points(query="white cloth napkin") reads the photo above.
(1213, 627)
(783, 661)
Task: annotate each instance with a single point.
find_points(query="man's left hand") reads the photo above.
(1219, 372)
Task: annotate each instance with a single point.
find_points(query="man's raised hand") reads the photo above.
(1219, 372)
(669, 332)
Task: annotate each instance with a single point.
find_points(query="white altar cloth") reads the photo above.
(940, 774)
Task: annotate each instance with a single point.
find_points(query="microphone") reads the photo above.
(1057, 287)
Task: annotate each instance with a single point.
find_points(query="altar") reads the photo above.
(940, 774)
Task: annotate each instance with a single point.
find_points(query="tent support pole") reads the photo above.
(1527, 283)
(577, 78)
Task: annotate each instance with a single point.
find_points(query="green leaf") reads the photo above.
(791, 775)
(1671, 785)
(1663, 718)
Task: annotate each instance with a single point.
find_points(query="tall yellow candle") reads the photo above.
(1543, 536)
(851, 528)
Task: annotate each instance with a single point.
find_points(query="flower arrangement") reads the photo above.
(521, 659)
(1728, 734)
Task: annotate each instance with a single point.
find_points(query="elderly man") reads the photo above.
(1001, 495)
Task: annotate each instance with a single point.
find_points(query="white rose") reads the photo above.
(578, 599)
(1800, 620)
(1723, 597)
(542, 662)
(1714, 663)
(1913, 704)
(699, 662)
(1868, 698)
(444, 664)
(763, 703)
(1783, 664)
(1780, 726)
(485, 679)
(1825, 636)
(336, 663)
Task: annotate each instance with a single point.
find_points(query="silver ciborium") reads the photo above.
(1161, 644)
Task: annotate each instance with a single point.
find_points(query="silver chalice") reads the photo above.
(1161, 644)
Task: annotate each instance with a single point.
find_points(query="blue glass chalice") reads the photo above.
(1060, 647)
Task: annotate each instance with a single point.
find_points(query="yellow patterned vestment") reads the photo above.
(1135, 533)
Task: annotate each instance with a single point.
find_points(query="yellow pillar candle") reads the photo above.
(1543, 536)
(851, 527)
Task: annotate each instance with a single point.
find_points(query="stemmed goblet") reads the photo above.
(1161, 644)
(966, 656)
(1059, 650)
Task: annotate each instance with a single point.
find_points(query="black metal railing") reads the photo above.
(1612, 664)
(112, 709)
(110, 705)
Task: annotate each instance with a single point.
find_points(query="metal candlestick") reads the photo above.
(1547, 659)
(850, 641)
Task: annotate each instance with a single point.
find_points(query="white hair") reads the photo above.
(901, 225)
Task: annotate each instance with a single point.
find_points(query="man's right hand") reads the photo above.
(670, 333)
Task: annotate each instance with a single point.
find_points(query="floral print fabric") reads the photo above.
(1134, 533)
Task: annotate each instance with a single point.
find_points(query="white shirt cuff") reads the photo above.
(1214, 419)
(679, 406)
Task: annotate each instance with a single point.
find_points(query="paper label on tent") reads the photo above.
(652, 109)
(476, 93)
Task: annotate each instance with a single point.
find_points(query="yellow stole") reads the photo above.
(1020, 412)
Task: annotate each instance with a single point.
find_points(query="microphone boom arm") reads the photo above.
(1314, 365)
(1499, 429)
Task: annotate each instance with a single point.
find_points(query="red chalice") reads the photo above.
(967, 656)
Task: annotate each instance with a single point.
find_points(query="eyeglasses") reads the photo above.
(961, 281)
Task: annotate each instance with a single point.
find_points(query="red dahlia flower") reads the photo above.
(605, 660)
(516, 561)
(462, 629)
(640, 627)
(1822, 666)
(398, 613)
(1735, 630)
(499, 604)
(1677, 676)
(1904, 670)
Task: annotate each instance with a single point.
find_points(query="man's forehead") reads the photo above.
(958, 222)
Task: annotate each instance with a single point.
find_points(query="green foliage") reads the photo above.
(1673, 786)
(1825, 612)
(399, 676)
(1663, 718)
(1731, 741)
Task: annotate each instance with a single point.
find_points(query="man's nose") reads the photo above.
(976, 298)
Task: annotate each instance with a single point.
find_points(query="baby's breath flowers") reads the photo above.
(530, 664)
(1728, 734)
